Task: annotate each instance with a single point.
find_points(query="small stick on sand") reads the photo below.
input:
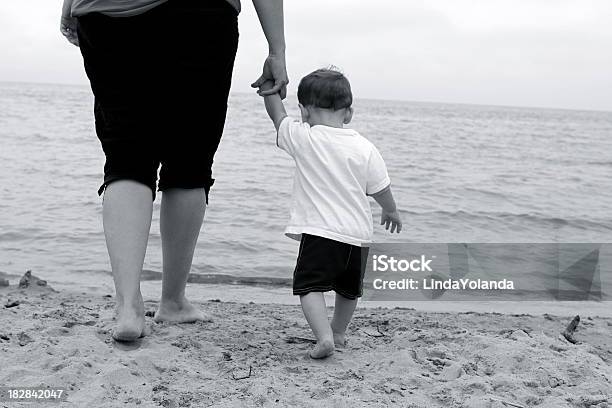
(13, 303)
(510, 404)
(297, 339)
(373, 333)
(568, 333)
(243, 376)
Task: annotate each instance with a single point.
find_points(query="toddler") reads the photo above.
(336, 170)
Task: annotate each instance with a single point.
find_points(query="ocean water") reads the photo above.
(460, 173)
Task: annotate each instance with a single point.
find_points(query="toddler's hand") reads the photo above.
(391, 219)
(265, 86)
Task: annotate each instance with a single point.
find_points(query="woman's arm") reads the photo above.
(68, 24)
(270, 13)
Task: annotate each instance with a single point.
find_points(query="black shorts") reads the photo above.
(161, 82)
(324, 264)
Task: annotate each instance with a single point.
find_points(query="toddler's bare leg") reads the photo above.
(343, 312)
(313, 305)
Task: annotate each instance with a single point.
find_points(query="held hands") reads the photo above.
(391, 219)
(266, 86)
(274, 71)
(68, 24)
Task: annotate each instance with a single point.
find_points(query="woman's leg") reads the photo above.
(200, 41)
(182, 212)
(313, 305)
(127, 211)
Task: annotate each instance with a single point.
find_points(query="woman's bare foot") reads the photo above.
(322, 349)
(177, 312)
(339, 340)
(130, 321)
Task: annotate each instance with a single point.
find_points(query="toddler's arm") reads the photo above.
(390, 216)
(274, 104)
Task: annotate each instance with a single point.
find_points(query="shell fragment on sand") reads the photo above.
(28, 280)
(568, 333)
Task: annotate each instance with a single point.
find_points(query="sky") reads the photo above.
(542, 53)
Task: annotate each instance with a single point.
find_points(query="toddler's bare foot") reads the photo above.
(130, 322)
(339, 340)
(322, 349)
(177, 312)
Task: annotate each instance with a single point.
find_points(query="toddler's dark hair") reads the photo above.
(325, 88)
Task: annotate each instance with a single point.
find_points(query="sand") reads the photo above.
(256, 355)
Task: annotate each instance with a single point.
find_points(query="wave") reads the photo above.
(225, 279)
(507, 216)
(601, 163)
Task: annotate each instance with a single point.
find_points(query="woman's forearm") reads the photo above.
(67, 8)
(270, 13)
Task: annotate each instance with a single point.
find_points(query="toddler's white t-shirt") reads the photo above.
(335, 171)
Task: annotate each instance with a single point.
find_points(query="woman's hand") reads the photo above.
(68, 24)
(274, 70)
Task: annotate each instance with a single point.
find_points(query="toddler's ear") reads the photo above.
(305, 112)
(348, 115)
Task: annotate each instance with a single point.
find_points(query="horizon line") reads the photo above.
(599, 110)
